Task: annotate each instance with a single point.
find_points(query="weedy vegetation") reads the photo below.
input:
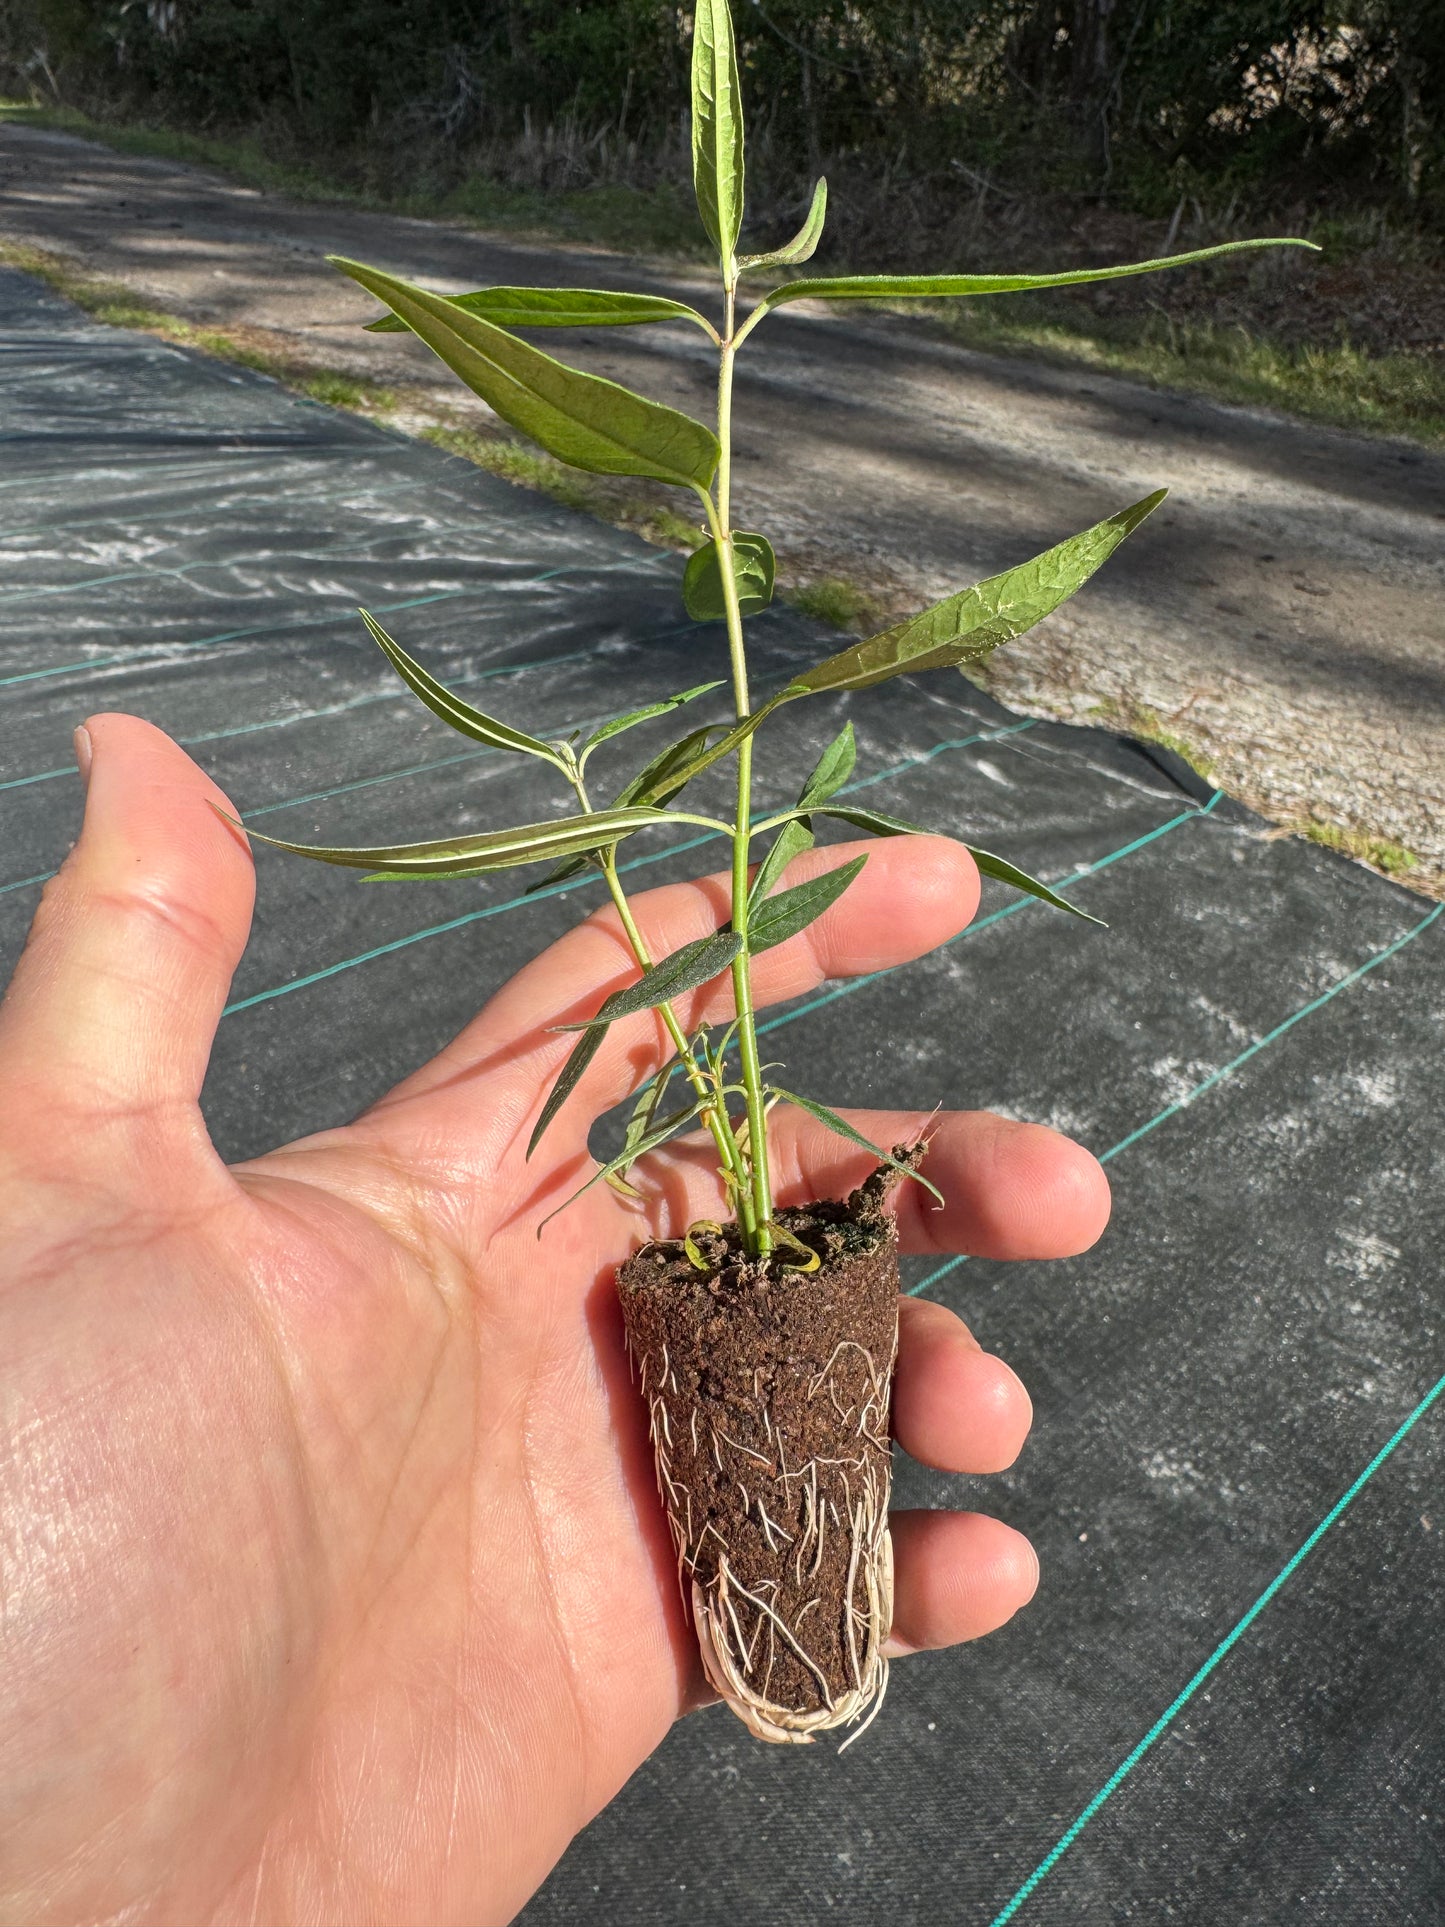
(764, 1347)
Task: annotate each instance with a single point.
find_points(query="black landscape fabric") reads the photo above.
(1254, 1043)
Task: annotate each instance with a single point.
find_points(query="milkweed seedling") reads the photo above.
(763, 1347)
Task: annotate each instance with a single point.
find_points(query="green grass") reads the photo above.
(614, 502)
(107, 301)
(1340, 385)
(836, 601)
(1138, 719)
(1379, 851)
(660, 220)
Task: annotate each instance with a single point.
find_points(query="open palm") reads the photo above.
(336, 1585)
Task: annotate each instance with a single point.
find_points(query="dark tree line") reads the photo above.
(1129, 98)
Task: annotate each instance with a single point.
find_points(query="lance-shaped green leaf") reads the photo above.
(829, 773)
(969, 626)
(645, 715)
(683, 771)
(845, 1129)
(754, 570)
(995, 866)
(582, 419)
(458, 714)
(580, 1056)
(696, 963)
(794, 837)
(717, 128)
(832, 769)
(905, 287)
(783, 916)
(559, 308)
(803, 244)
(876, 822)
(497, 850)
(658, 1135)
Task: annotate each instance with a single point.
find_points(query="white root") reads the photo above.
(747, 1631)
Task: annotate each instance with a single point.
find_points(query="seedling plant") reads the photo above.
(763, 1344)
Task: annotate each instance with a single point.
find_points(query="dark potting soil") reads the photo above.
(768, 1392)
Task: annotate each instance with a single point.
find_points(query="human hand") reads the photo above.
(336, 1584)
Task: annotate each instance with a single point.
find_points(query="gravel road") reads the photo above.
(1283, 613)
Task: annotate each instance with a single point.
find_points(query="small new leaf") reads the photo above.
(783, 916)
(559, 308)
(717, 129)
(635, 716)
(995, 866)
(971, 625)
(754, 570)
(458, 714)
(803, 244)
(696, 963)
(582, 419)
(845, 1129)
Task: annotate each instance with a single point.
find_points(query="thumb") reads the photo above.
(115, 1001)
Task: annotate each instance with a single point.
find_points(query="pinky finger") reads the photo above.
(957, 1576)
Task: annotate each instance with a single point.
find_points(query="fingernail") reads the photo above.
(1035, 1586)
(83, 748)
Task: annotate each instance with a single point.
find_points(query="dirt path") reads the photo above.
(1283, 615)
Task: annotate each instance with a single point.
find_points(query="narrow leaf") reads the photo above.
(670, 770)
(829, 773)
(645, 1109)
(717, 128)
(969, 626)
(896, 287)
(636, 716)
(794, 837)
(845, 1129)
(558, 308)
(582, 419)
(790, 911)
(995, 866)
(754, 570)
(580, 1056)
(803, 244)
(452, 710)
(696, 963)
(658, 1135)
(684, 771)
(832, 769)
(497, 850)
(878, 822)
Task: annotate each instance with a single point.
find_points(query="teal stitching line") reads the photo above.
(1009, 910)
(340, 709)
(1126, 1766)
(24, 883)
(512, 903)
(1226, 1070)
(166, 651)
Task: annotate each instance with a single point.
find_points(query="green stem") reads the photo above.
(761, 1240)
(716, 1114)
